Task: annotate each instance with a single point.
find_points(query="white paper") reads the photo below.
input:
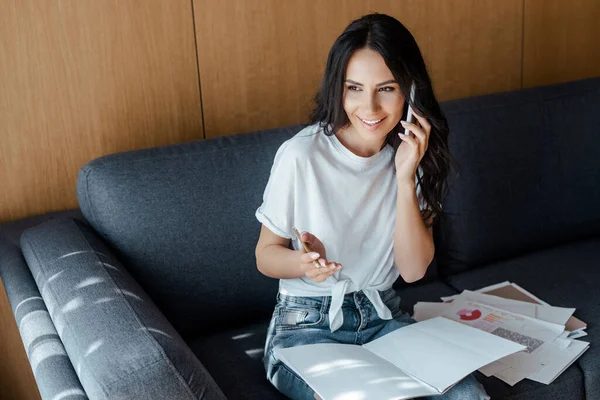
(427, 310)
(491, 287)
(557, 360)
(557, 316)
(577, 334)
(440, 351)
(492, 319)
(338, 371)
(514, 375)
(493, 368)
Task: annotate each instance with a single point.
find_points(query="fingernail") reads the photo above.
(403, 122)
(322, 262)
(314, 256)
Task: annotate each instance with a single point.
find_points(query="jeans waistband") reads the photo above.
(323, 302)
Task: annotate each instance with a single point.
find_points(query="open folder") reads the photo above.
(423, 359)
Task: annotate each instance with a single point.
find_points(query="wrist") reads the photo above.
(406, 185)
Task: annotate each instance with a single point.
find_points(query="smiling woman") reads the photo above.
(373, 103)
(365, 194)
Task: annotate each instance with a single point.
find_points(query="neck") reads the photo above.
(350, 139)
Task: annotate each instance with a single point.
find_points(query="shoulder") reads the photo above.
(302, 145)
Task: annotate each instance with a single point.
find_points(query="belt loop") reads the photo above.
(325, 304)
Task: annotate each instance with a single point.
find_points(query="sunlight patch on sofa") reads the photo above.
(104, 300)
(94, 280)
(158, 331)
(109, 266)
(80, 252)
(56, 275)
(93, 347)
(72, 305)
(68, 393)
(242, 336)
(25, 301)
(45, 351)
(129, 294)
(254, 352)
(35, 324)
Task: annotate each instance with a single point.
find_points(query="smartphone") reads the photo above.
(409, 116)
(305, 246)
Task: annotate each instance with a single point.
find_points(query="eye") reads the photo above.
(387, 89)
(353, 88)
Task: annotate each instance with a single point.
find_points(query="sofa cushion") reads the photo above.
(528, 173)
(234, 359)
(565, 276)
(181, 218)
(120, 344)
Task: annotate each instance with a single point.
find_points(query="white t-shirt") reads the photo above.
(349, 202)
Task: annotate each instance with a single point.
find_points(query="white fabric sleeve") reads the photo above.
(277, 209)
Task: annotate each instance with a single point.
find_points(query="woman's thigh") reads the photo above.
(295, 322)
(399, 318)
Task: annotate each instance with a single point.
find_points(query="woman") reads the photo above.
(366, 196)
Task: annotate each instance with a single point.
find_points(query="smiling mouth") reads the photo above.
(371, 122)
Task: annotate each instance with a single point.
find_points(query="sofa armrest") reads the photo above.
(120, 344)
(52, 368)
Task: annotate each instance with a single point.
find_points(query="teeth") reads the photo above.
(371, 122)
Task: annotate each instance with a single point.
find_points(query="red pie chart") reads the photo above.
(469, 315)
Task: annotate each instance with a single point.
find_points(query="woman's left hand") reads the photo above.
(411, 151)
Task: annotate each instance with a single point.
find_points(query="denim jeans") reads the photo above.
(304, 320)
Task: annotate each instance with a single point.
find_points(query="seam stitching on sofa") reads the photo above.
(158, 347)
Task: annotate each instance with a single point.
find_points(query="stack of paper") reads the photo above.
(511, 312)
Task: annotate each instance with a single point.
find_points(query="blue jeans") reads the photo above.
(304, 320)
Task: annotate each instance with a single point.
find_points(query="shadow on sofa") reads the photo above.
(151, 290)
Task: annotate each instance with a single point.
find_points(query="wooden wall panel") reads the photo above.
(16, 377)
(261, 60)
(81, 79)
(561, 41)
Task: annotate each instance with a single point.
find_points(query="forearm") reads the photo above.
(276, 261)
(413, 241)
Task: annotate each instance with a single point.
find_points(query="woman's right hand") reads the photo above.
(317, 253)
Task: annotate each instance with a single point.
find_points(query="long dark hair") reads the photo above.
(388, 37)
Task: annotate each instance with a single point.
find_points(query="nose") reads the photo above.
(372, 104)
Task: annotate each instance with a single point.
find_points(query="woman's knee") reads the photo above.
(287, 382)
(467, 389)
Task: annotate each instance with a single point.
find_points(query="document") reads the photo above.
(423, 359)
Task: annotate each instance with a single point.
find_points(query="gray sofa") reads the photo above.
(150, 290)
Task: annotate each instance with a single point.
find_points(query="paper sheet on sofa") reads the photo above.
(552, 317)
(512, 291)
(556, 359)
(421, 359)
(532, 333)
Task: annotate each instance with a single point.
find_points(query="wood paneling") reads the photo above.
(81, 79)
(561, 41)
(261, 61)
(16, 377)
